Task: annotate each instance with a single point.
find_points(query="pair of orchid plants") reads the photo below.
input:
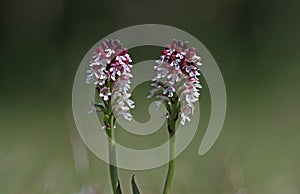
(176, 85)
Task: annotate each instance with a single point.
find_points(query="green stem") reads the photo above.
(171, 165)
(112, 157)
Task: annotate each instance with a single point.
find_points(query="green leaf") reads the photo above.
(135, 189)
(119, 188)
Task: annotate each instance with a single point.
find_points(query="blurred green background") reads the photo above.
(255, 43)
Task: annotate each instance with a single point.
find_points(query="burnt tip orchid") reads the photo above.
(109, 71)
(176, 82)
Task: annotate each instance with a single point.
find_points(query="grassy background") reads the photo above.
(256, 44)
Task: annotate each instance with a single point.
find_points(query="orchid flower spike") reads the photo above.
(109, 71)
(176, 82)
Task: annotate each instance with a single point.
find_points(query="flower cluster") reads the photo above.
(110, 72)
(176, 79)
